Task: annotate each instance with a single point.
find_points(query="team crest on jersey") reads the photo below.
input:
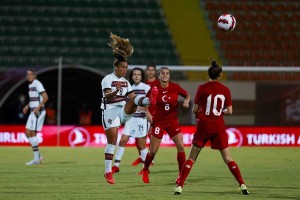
(235, 137)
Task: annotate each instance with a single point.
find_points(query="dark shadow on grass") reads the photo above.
(283, 197)
(279, 187)
(163, 171)
(215, 193)
(62, 162)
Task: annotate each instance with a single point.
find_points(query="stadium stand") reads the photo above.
(37, 32)
(267, 32)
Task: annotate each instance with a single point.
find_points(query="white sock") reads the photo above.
(30, 140)
(110, 149)
(119, 155)
(144, 102)
(34, 141)
(144, 154)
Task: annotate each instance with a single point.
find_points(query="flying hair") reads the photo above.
(122, 49)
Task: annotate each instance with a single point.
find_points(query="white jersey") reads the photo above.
(109, 82)
(36, 88)
(140, 90)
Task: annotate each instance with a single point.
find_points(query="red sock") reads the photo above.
(233, 167)
(180, 160)
(188, 164)
(148, 161)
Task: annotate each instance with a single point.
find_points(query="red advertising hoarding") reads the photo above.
(94, 136)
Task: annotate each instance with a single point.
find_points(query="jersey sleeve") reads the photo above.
(106, 83)
(182, 92)
(40, 87)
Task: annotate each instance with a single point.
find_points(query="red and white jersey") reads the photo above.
(167, 102)
(36, 88)
(140, 89)
(212, 97)
(110, 82)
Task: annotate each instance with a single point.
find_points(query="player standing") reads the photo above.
(165, 119)
(37, 99)
(151, 75)
(138, 126)
(116, 110)
(151, 80)
(212, 101)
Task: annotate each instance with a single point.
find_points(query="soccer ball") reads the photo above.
(226, 22)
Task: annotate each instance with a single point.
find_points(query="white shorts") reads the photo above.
(114, 117)
(35, 123)
(136, 127)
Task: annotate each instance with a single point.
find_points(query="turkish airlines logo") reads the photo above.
(79, 137)
(235, 137)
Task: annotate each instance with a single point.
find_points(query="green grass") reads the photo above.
(77, 173)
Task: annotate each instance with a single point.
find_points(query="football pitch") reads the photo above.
(77, 173)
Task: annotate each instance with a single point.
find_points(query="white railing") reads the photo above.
(228, 68)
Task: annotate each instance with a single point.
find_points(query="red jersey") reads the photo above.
(212, 97)
(167, 102)
(153, 83)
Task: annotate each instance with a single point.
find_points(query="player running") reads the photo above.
(138, 126)
(151, 80)
(37, 99)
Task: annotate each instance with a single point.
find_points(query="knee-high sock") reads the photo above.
(144, 154)
(109, 154)
(180, 160)
(148, 161)
(34, 141)
(233, 167)
(119, 154)
(188, 164)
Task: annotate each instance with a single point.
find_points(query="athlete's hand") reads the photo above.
(36, 111)
(149, 117)
(186, 104)
(25, 109)
(118, 86)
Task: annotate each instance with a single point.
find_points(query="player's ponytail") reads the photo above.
(215, 70)
(122, 49)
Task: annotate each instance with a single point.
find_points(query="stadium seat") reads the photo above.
(62, 27)
(270, 38)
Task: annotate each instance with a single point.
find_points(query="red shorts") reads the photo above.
(171, 127)
(213, 130)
